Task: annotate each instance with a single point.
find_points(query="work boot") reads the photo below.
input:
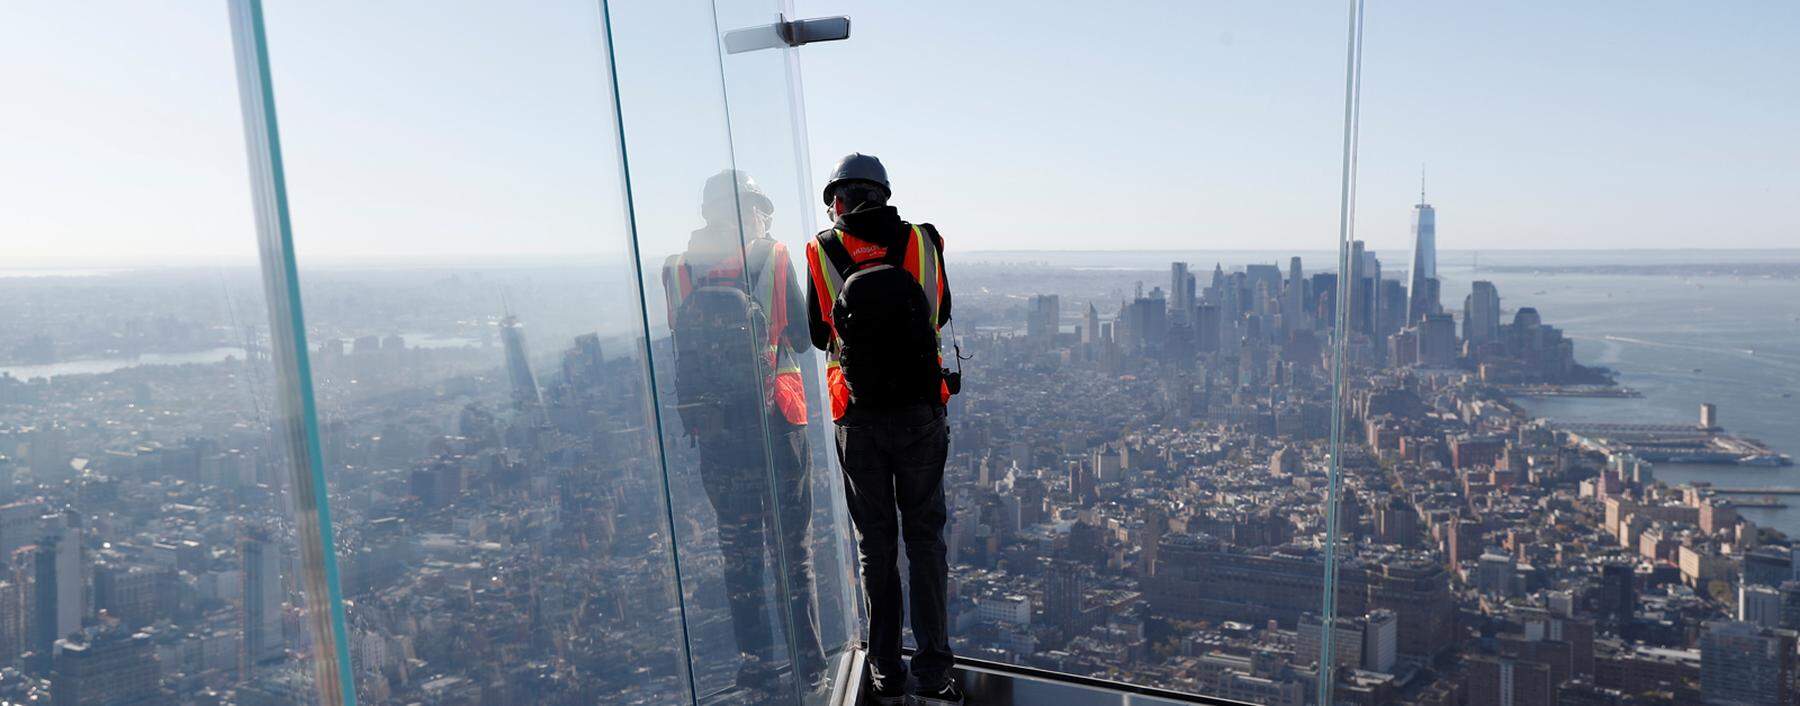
(945, 694)
(886, 692)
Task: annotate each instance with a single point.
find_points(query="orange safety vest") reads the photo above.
(922, 261)
(785, 390)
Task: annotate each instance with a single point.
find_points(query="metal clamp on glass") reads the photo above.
(789, 33)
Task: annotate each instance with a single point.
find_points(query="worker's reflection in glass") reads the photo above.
(737, 317)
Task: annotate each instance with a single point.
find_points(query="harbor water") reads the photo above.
(1680, 340)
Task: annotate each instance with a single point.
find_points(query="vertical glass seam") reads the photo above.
(652, 401)
(1340, 339)
(335, 682)
(784, 598)
(840, 518)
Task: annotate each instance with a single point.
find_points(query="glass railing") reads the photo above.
(493, 382)
(1541, 427)
(160, 513)
(1142, 252)
(489, 436)
(720, 205)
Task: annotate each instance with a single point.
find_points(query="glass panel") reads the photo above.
(720, 206)
(156, 543)
(478, 351)
(1614, 532)
(1141, 244)
(768, 138)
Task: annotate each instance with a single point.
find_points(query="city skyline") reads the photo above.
(1125, 492)
(473, 453)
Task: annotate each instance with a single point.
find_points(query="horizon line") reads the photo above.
(503, 259)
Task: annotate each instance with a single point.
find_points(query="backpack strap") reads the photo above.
(685, 278)
(834, 250)
(757, 256)
(896, 255)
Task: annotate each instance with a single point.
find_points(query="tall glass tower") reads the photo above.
(1422, 292)
(526, 396)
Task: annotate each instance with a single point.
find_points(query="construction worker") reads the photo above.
(876, 297)
(734, 308)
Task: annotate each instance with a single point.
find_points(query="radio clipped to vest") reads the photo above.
(953, 378)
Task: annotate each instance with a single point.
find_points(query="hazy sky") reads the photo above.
(458, 128)
(1217, 124)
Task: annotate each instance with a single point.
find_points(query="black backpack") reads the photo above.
(886, 333)
(721, 333)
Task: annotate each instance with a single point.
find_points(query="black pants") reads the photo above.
(752, 519)
(894, 478)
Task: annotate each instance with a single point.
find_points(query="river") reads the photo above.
(96, 366)
(1681, 341)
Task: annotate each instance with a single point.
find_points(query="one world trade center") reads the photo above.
(1422, 292)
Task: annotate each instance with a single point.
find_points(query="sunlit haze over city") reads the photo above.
(1412, 354)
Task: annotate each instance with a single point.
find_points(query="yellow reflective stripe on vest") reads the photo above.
(834, 280)
(765, 292)
(928, 273)
(782, 364)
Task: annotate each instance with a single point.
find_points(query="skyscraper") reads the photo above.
(70, 598)
(526, 396)
(260, 611)
(1181, 292)
(1759, 605)
(1381, 640)
(1437, 340)
(12, 620)
(113, 667)
(1421, 294)
(1043, 317)
(1293, 298)
(1262, 300)
(49, 453)
(1231, 306)
(19, 525)
(1267, 275)
(56, 591)
(1145, 321)
(1618, 592)
(1741, 663)
(1361, 298)
(584, 362)
(1062, 596)
(1390, 307)
(1481, 313)
(1501, 681)
(1347, 640)
(1206, 328)
(1322, 304)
